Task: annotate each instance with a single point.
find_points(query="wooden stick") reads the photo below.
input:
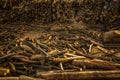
(24, 59)
(69, 75)
(12, 49)
(12, 67)
(27, 60)
(87, 56)
(70, 55)
(79, 52)
(95, 64)
(84, 50)
(8, 55)
(68, 59)
(23, 77)
(27, 48)
(41, 44)
(37, 57)
(97, 43)
(104, 50)
(90, 48)
(36, 49)
(9, 78)
(61, 67)
(55, 53)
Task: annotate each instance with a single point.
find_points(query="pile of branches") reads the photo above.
(58, 54)
(90, 11)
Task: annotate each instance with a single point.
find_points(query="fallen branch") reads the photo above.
(22, 77)
(41, 44)
(9, 78)
(79, 52)
(58, 75)
(95, 64)
(36, 49)
(67, 59)
(97, 43)
(24, 59)
(55, 53)
(8, 55)
(27, 48)
(104, 50)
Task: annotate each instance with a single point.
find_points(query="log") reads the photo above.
(35, 48)
(95, 64)
(69, 75)
(9, 78)
(112, 36)
(22, 77)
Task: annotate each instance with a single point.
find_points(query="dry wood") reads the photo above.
(27, 48)
(79, 52)
(24, 59)
(70, 55)
(62, 60)
(95, 64)
(61, 67)
(104, 50)
(8, 55)
(84, 51)
(37, 57)
(97, 43)
(27, 60)
(68, 59)
(3, 71)
(9, 78)
(83, 75)
(112, 36)
(23, 77)
(88, 55)
(35, 48)
(54, 53)
(41, 44)
(90, 48)
(12, 66)
(117, 32)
